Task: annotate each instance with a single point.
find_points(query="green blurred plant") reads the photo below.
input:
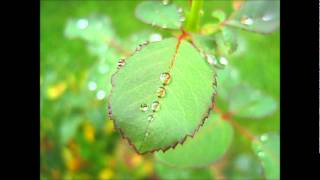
(85, 145)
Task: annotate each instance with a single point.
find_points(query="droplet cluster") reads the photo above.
(122, 61)
(165, 78)
(218, 62)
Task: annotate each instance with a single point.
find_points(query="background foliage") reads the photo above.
(79, 142)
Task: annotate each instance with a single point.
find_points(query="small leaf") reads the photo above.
(251, 103)
(267, 148)
(227, 80)
(159, 14)
(207, 146)
(149, 118)
(242, 99)
(167, 172)
(257, 16)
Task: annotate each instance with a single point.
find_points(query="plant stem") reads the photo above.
(193, 16)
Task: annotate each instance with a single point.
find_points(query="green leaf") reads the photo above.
(258, 16)
(267, 148)
(186, 102)
(205, 43)
(242, 99)
(207, 146)
(227, 80)
(248, 102)
(166, 172)
(159, 14)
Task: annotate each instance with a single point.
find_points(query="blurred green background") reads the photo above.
(77, 139)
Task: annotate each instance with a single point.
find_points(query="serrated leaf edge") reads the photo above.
(163, 149)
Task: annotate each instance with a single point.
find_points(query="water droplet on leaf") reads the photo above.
(165, 78)
(155, 106)
(144, 107)
(180, 10)
(246, 20)
(223, 61)
(145, 43)
(211, 59)
(147, 134)
(121, 63)
(139, 47)
(161, 92)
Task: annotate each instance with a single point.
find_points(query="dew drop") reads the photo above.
(147, 134)
(165, 2)
(92, 86)
(267, 17)
(155, 37)
(165, 78)
(180, 10)
(139, 47)
(101, 95)
(121, 63)
(145, 43)
(82, 23)
(161, 92)
(211, 59)
(150, 117)
(246, 20)
(144, 107)
(223, 61)
(264, 138)
(155, 106)
(204, 120)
